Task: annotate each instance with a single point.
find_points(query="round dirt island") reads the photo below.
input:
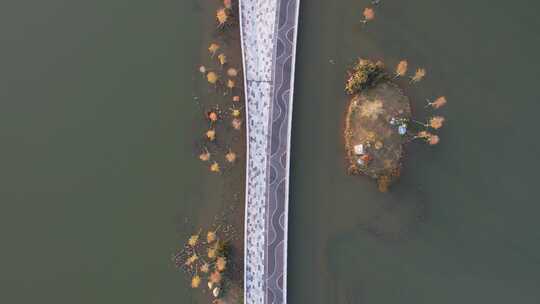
(375, 129)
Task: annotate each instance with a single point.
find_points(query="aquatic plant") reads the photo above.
(213, 48)
(364, 74)
(192, 259)
(212, 252)
(436, 122)
(212, 116)
(419, 75)
(194, 239)
(205, 268)
(430, 138)
(401, 68)
(235, 112)
(437, 103)
(211, 236)
(197, 267)
(231, 84)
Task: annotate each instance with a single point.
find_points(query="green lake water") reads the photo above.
(98, 155)
(98, 159)
(462, 224)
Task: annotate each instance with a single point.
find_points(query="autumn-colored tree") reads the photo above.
(437, 103)
(213, 48)
(222, 17)
(215, 167)
(195, 281)
(368, 14)
(419, 75)
(222, 59)
(205, 155)
(401, 68)
(212, 77)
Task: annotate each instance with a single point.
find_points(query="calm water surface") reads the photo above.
(461, 226)
(97, 152)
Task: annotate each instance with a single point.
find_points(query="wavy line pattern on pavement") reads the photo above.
(268, 30)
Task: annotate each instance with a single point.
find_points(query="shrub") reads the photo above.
(364, 74)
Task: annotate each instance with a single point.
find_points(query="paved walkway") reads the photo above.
(269, 29)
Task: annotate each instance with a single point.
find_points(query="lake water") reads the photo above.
(99, 166)
(461, 225)
(99, 170)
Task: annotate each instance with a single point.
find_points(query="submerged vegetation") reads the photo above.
(223, 78)
(207, 260)
(209, 257)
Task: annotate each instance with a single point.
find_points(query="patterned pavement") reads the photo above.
(269, 30)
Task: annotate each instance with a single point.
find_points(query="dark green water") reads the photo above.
(98, 162)
(461, 226)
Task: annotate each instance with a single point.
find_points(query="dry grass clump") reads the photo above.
(437, 103)
(222, 17)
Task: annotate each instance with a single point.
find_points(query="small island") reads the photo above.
(378, 121)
